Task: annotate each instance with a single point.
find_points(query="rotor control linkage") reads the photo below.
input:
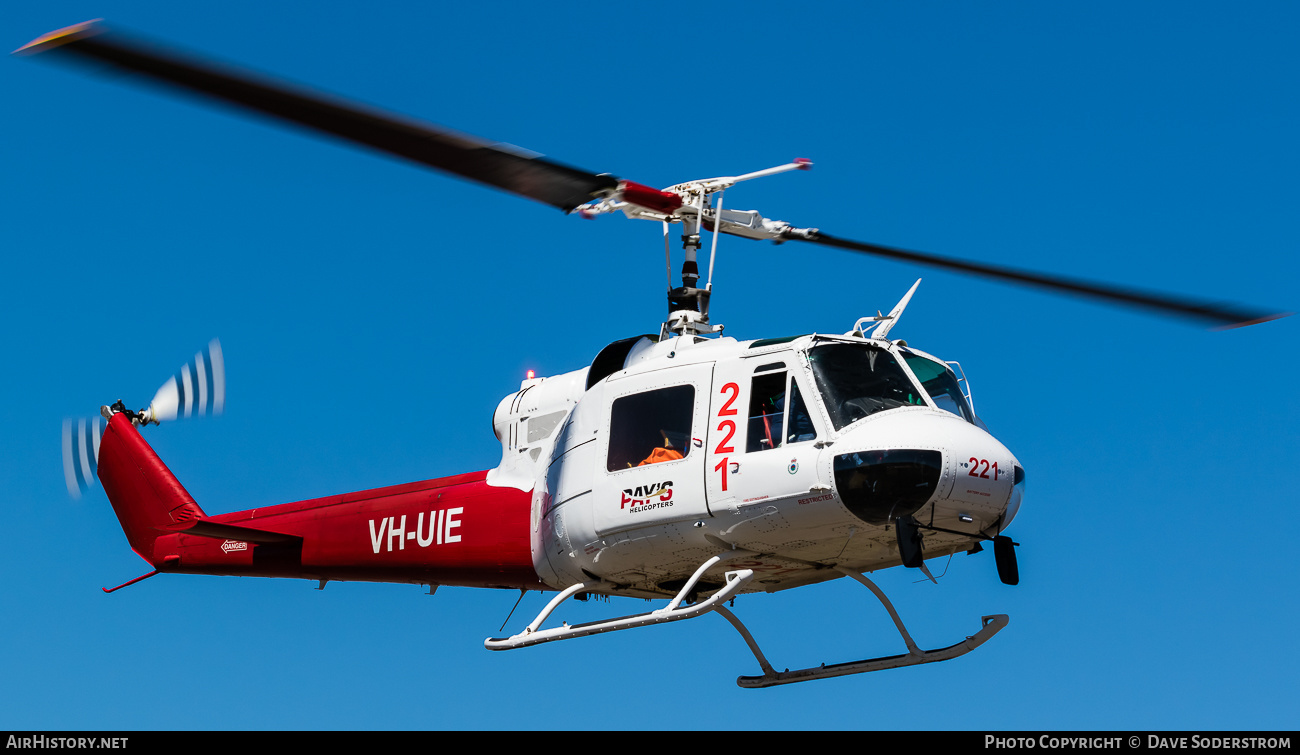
(137, 418)
(695, 205)
(990, 625)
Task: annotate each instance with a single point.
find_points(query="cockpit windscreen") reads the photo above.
(941, 384)
(858, 381)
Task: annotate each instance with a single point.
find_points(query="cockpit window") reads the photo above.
(650, 427)
(858, 381)
(766, 411)
(941, 384)
(772, 423)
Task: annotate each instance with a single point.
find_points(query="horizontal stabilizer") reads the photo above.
(222, 531)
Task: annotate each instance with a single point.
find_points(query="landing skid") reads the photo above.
(991, 625)
(533, 634)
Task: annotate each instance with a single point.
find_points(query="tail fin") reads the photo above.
(143, 491)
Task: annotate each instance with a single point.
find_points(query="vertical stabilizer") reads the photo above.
(143, 491)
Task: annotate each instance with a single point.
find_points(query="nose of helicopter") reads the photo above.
(892, 466)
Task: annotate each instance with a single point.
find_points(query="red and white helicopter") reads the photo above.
(682, 465)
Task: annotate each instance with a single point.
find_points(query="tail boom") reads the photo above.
(448, 531)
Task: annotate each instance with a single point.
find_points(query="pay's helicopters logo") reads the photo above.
(647, 497)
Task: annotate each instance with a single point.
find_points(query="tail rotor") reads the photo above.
(80, 453)
(198, 389)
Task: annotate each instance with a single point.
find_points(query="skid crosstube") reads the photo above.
(533, 634)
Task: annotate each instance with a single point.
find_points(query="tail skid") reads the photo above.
(130, 582)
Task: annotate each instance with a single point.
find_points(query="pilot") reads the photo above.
(663, 453)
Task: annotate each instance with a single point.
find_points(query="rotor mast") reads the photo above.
(688, 305)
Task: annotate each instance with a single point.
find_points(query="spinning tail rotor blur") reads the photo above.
(197, 389)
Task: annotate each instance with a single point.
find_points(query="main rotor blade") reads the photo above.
(1223, 316)
(497, 165)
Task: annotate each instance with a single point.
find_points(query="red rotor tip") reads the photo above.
(803, 163)
(62, 36)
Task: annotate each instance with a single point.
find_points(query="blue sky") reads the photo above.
(373, 314)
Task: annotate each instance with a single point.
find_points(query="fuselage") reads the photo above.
(802, 451)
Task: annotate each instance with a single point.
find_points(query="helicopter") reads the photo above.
(683, 465)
